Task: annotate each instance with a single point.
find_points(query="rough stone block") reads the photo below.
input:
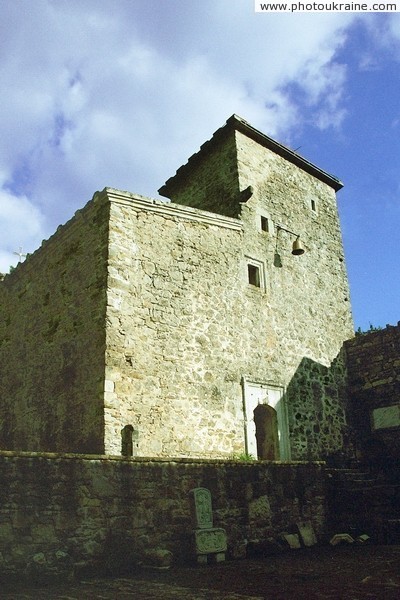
(307, 534)
(292, 539)
(210, 541)
(341, 538)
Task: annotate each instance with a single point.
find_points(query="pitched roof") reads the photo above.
(237, 123)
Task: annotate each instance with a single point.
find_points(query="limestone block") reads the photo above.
(386, 416)
(159, 558)
(109, 386)
(307, 534)
(340, 538)
(43, 533)
(210, 541)
(292, 539)
(39, 558)
(6, 532)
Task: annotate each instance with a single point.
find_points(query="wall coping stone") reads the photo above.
(171, 209)
(150, 460)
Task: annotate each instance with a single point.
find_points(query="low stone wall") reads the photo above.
(61, 513)
(373, 362)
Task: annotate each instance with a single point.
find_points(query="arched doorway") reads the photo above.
(265, 393)
(266, 422)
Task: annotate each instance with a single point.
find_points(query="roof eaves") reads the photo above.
(237, 123)
(241, 125)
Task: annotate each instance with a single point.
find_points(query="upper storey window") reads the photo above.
(313, 205)
(255, 273)
(264, 224)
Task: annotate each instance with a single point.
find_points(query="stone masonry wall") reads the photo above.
(52, 341)
(373, 363)
(218, 191)
(308, 299)
(175, 340)
(161, 317)
(292, 327)
(62, 513)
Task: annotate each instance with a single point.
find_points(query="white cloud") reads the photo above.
(383, 34)
(121, 93)
(21, 225)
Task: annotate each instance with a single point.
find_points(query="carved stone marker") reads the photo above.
(209, 541)
(201, 508)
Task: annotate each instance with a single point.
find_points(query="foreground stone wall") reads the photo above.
(63, 513)
(373, 363)
(52, 340)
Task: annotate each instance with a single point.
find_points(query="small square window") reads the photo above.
(264, 224)
(254, 275)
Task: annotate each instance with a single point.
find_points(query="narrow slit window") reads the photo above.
(254, 275)
(313, 205)
(264, 224)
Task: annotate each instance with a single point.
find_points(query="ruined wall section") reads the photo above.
(373, 363)
(52, 340)
(306, 297)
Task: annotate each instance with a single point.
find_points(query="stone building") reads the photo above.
(158, 327)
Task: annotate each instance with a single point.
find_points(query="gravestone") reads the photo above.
(292, 539)
(201, 508)
(209, 541)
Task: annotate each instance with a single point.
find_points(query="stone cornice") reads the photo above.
(170, 209)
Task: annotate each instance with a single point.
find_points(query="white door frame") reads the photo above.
(263, 392)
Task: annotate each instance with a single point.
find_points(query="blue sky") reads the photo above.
(120, 93)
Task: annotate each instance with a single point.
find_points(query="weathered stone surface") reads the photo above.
(374, 388)
(260, 510)
(210, 541)
(158, 558)
(150, 314)
(75, 520)
(52, 341)
(201, 508)
(307, 534)
(341, 538)
(386, 417)
(293, 540)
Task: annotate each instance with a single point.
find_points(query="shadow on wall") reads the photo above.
(317, 411)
